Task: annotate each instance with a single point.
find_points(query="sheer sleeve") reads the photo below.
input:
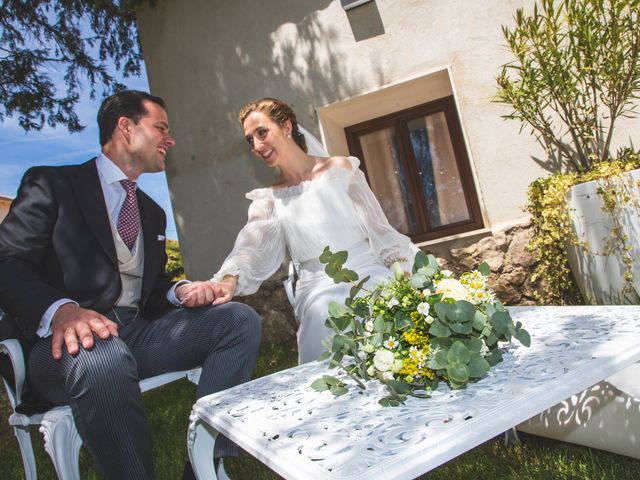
(389, 244)
(259, 248)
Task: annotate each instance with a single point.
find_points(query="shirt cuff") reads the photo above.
(44, 329)
(171, 294)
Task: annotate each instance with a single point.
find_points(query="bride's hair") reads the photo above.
(279, 112)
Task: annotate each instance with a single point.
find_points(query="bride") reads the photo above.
(317, 201)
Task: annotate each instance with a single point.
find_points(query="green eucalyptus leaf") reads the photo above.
(441, 358)
(474, 344)
(458, 373)
(464, 311)
(439, 329)
(342, 323)
(441, 310)
(492, 339)
(337, 310)
(523, 337)
(325, 256)
(340, 342)
(433, 364)
(458, 353)
(319, 385)
(398, 387)
(376, 339)
(339, 258)
(332, 272)
(356, 288)
(433, 262)
(500, 322)
(418, 280)
(338, 390)
(379, 324)
(494, 357)
(484, 269)
(428, 271)
(330, 380)
(478, 366)
(479, 320)
(441, 342)
(421, 260)
(462, 328)
(349, 275)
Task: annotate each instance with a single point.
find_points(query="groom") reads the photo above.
(82, 257)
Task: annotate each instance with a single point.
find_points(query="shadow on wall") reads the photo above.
(208, 61)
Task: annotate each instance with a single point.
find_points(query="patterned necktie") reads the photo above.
(129, 218)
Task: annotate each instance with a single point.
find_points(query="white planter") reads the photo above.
(607, 415)
(600, 277)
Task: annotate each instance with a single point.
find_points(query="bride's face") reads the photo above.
(266, 138)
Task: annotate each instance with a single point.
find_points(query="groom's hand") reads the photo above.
(197, 294)
(72, 325)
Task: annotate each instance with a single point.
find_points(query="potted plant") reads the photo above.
(576, 73)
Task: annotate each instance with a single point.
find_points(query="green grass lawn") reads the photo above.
(169, 408)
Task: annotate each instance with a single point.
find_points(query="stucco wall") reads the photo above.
(207, 58)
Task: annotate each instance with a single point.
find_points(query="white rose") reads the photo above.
(368, 348)
(452, 288)
(371, 371)
(429, 319)
(447, 273)
(368, 326)
(426, 292)
(423, 308)
(392, 303)
(383, 359)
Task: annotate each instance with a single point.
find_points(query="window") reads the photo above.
(417, 166)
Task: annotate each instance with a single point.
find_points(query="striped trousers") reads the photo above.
(101, 384)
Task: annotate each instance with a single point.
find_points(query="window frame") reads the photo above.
(398, 121)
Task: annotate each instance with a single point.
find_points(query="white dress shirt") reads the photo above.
(114, 196)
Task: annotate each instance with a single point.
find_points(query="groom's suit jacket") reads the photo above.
(56, 242)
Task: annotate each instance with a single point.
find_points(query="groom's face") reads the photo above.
(150, 139)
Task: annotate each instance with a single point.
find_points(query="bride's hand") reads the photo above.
(197, 294)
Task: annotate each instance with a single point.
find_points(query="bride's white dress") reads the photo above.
(338, 210)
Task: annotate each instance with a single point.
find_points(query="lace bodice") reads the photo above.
(337, 209)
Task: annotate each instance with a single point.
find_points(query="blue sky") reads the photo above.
(56, 146)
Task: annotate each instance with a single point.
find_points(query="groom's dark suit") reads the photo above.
(57, 242)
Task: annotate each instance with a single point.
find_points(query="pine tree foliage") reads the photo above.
(80, 40)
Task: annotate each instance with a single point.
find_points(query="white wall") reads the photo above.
(207, 58)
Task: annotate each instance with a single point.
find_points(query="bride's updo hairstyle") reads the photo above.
(279, 112)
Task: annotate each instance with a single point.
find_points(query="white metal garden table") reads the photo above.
(300, 433)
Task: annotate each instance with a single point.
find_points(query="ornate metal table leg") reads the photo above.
(201, 441)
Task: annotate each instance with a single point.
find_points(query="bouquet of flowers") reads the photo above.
(413, 331)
